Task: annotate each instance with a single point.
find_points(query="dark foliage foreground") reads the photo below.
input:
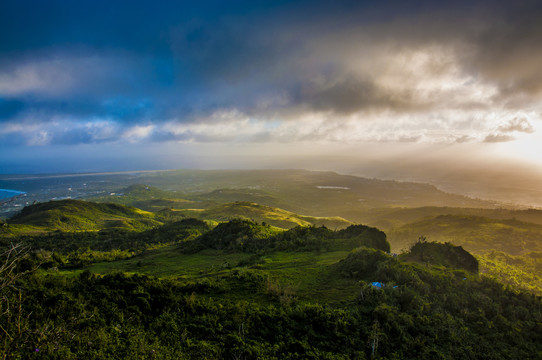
(420, 312)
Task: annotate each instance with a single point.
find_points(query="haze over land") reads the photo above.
(439, 92)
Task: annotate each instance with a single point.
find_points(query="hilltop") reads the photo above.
(440, 254)
(78, 215)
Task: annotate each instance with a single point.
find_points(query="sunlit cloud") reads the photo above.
(137, 133)
(227, 125)
(519, 124)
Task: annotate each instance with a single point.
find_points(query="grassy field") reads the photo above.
(300, 275)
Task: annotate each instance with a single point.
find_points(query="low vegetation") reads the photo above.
(170, 287)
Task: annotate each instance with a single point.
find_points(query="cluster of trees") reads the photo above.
(441, 254)
(248, 236)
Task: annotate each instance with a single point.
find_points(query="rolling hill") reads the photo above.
(507, 249)
(261, 213)
(78, 215)
(475, 233)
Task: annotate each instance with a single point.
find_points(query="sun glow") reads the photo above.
(527, 147)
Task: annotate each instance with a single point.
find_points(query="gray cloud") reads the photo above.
(464, 139)
(348, 95)
(497, 138)
(506, 49)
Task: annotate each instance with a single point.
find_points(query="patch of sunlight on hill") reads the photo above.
(261, 213)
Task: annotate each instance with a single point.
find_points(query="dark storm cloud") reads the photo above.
(161, 61)
(350, 94)
(508, 49)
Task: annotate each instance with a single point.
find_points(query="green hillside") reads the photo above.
(521, 272)
(504, 248)
(476, 234)
(247, 236)
(261, 213)
(318, 194)
(77, 215)
(278, 300)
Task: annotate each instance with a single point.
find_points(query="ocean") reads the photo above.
(6, 193)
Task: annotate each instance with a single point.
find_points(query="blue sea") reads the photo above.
(6, 193)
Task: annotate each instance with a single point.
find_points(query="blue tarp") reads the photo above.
(380, 285)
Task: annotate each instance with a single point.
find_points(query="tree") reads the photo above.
(15, 263)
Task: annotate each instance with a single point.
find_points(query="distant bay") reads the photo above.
(6, 193)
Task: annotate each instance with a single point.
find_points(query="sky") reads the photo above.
(416, 90)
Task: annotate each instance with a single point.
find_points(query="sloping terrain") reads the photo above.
(476, 234)
(387, 218)
(77, 215)
(242, 289)
(311, 193)
(507, 249)
(261, 213)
